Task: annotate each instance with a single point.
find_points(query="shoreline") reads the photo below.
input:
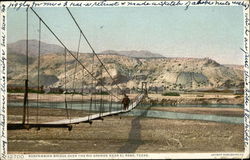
(128, 134)
(154, 99)
(43, 114)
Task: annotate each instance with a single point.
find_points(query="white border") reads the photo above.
(245, 51)
(3, 78)
(111, 3)
(3, 81)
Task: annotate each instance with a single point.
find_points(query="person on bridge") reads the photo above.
(125, 102)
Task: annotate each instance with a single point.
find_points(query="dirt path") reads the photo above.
(130, 134)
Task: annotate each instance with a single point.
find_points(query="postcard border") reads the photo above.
(3, 81)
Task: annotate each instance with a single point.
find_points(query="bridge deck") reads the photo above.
(67, 123)
(97, 116)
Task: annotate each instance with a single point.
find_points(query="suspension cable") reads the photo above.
(65, 82)
(82, 90)
(101, 101)
(92, 86)
(110, 104)
(38, 69)
(27, 62)
(74, 75)
(70, 52)
(91, 46)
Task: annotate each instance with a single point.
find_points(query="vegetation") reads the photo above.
(17, 90)
(101, 93)
(171, 94)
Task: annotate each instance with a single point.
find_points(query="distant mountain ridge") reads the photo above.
(19, 47)
(134, 53)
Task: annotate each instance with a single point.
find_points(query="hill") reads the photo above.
(134, 53)
(19, 47)
(168, 73)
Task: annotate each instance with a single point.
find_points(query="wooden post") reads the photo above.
(25, 101)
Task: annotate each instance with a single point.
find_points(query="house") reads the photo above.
(54, 90)
(238, 91)
(156, 89)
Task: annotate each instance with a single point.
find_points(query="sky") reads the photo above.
(215, 32)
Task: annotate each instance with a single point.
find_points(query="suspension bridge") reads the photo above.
(97, 109)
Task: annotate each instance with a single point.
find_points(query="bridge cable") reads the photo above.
(65, 82)
(91, 46)
(27, 62)
(91, 74)
(110, 104)
(74, 75)
(82, 89)
(95, 95)
(92, 87)
(38, 69)
(101, 100)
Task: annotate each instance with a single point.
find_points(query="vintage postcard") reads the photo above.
(124, 79)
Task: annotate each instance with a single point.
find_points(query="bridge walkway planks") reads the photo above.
(67, 123)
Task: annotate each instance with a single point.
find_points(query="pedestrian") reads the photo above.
(125, 102)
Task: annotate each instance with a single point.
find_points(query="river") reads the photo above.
(143, 111)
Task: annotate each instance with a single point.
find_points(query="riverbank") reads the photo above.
(195, 99)
(134, 134)
(54, 112)
(130, 134)
(155, 99)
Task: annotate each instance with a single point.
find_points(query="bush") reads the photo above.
(18, 90)
(35, 91)
(101, 93)
(171, 94)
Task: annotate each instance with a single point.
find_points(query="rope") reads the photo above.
(110, 104)
(101, 102)
(38, 69)
(74, 77)
(70, 52)
(81, 64)
(76, 57)
(92, 87)
(91, 46)
(82, 90)
(27, 61)
(118, 102)
(95, 94)
(65, 82)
